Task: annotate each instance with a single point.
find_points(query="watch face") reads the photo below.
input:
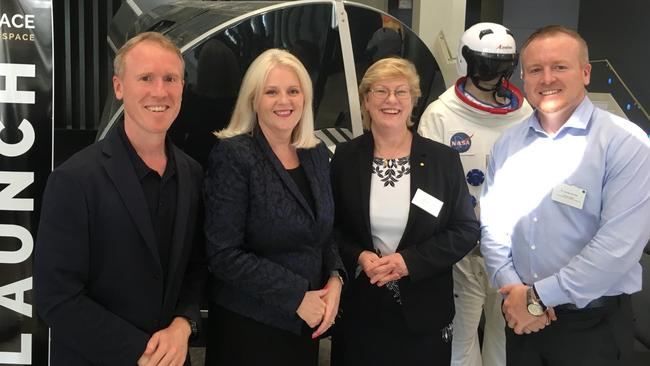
(535, 309)
(194, 327)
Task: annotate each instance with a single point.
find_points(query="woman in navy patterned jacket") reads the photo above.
(269, 214)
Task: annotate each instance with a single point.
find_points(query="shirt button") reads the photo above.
(535, 275)
(532, 247)
(534, 219)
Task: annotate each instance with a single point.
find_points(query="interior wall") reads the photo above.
(378, 4)
(492, 11)
(430, 17)
(524, 17)
(620, 34)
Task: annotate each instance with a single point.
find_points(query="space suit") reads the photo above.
(469, 117)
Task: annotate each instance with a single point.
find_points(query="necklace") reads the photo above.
(393, 153)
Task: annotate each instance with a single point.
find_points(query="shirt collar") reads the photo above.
(141, 169)
(578, 120)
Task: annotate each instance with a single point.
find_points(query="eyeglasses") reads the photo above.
(383, 93)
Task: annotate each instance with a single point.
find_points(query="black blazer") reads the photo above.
(265, 246)
(430, 245)
(98, 279)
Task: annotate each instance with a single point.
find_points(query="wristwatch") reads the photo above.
(337, 274)
(535, 306)
(193, 326)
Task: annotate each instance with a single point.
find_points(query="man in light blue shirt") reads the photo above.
(565, 214)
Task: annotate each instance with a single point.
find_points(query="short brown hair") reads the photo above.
(155, 37)
(553, 30)
(388, 68)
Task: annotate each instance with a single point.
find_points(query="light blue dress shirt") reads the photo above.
(571, 255)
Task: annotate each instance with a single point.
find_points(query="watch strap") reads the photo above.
(337, 274)
(538, 299)
(194, 327)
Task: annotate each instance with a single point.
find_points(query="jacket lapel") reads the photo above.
(306, 157)
(281, 172)
(183, 199)
(419, 179)
(364, 167)
(119, 168)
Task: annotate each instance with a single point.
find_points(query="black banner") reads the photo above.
(26, 133)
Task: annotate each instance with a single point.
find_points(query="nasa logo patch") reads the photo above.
(460, 142)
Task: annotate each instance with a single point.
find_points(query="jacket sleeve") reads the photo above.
(61, 277)
(227, 196)
(449, 245)
(331, 255)
(194, 281)
(332, 259)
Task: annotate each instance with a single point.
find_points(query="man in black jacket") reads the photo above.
(118, 272)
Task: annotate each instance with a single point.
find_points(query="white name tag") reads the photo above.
(427, 202)
(569, 195)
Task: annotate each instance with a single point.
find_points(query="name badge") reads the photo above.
(569, 195)
(427, 202)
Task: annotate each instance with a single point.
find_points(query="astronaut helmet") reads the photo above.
(487, 51)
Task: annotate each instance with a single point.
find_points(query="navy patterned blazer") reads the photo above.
(430, 245)
(265, 246)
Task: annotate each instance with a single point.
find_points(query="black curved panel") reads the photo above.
(376, 35)
(181, 20)
(215, 62)
(215, 66)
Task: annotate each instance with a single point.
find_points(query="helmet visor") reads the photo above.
(486, 67)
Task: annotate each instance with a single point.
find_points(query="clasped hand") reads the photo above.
(516, 313)
(321, 306)
(381, 270)
(167, 346)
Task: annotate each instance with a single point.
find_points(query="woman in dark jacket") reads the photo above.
(403, 218)
(269, 215)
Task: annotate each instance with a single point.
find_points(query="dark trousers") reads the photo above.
(587, 337)
(373, 332)
(235, 340)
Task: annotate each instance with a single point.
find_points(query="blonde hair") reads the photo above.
(244, 117)
(155, 37)
(554, 30)
(388, 68)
